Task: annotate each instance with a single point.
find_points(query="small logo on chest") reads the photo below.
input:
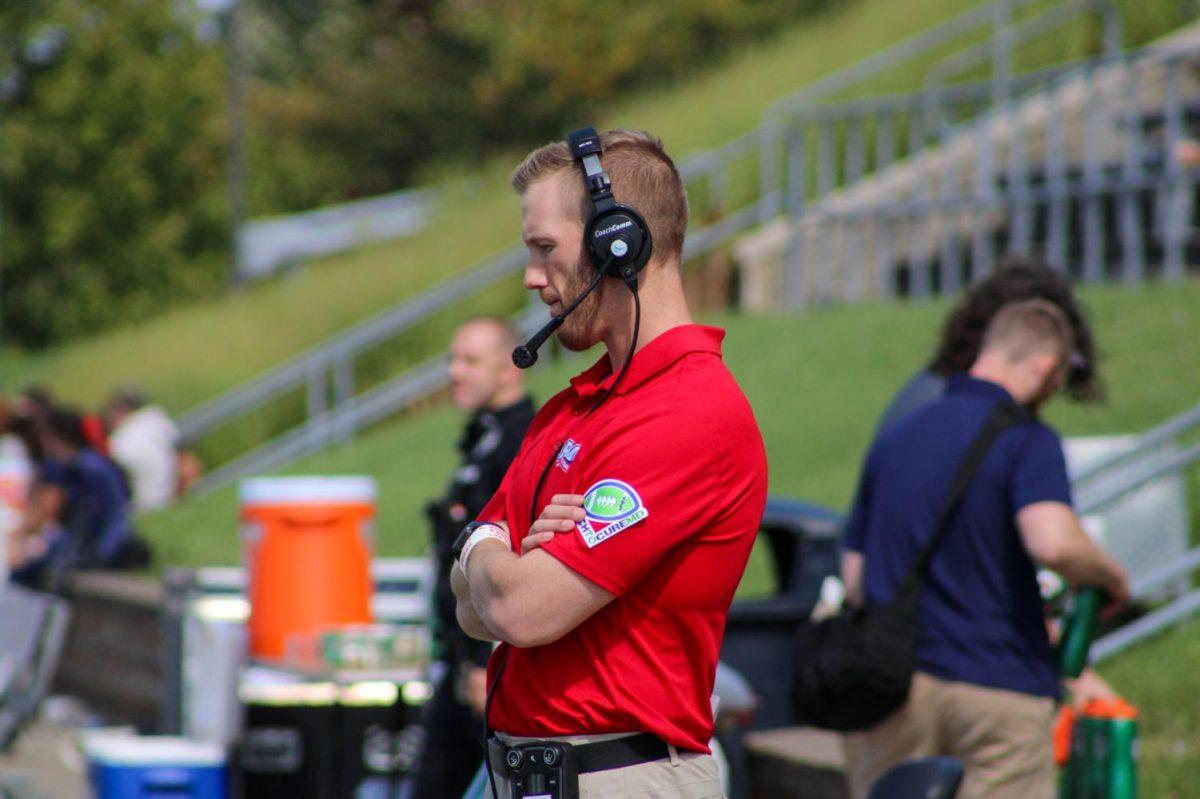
(566, 455)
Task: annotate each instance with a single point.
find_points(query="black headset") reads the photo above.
(615, 237)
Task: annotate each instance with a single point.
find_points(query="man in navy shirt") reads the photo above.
(986, 681)
(87, 498)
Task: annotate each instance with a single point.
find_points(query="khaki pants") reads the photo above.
(1001, 737)
(684, 775)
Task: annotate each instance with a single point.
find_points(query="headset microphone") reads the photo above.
(526, 355)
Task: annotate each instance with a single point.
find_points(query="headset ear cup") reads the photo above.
(620, 237)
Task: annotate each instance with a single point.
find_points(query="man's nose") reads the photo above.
(535, 277)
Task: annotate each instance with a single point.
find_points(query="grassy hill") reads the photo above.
(190, 354)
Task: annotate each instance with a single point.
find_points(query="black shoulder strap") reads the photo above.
(1003, 416)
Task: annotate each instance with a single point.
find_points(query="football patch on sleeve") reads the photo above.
(609, 507)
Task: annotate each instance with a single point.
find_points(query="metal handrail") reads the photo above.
(1153, 623)
(1171, 463)
(296, 371)
(1180, 608)
(1147, 584)
(1150, 440)
(1027, 29)
(854, 108)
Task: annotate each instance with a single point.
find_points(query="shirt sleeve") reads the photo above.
(854, 534)
(1040, 471)
(646, 496)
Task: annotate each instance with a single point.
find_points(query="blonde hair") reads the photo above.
(1023, 328)
(643, 176)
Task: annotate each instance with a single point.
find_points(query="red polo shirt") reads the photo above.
(675, 478)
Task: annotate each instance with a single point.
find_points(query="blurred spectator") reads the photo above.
(484, 384)
(12, 446)
(1014, 279)
(81, 518)
(26, 544)
(34, 402)
(986, 676)
(144, 442)
(16, 475)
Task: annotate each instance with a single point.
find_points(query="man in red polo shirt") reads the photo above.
(612, 604)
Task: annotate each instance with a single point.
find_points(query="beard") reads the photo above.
(578, 331)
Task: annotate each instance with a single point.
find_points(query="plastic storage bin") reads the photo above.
(131, 767)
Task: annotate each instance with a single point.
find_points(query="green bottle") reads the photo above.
(1096, 765)
(1079, 630)
(1072, 781)
(1122, 762)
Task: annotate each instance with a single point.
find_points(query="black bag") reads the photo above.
(854, 669)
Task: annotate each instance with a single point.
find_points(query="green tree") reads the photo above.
(113, 121)
(111, 164)
(355, 97)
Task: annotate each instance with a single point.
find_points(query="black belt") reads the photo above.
(632, 750)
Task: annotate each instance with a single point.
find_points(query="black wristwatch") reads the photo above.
(460, 542)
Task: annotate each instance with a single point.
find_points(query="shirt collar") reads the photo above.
(650, 359)
(964, 383)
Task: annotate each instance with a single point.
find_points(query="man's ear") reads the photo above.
(1044, 365)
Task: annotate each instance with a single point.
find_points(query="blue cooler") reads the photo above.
(149, 767)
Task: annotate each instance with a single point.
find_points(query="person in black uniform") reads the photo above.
(484, 383)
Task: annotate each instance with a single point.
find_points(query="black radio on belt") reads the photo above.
(551, 769)
(542, 770)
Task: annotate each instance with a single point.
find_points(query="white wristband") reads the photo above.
(482, 533)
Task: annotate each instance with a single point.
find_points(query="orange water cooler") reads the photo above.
(307, 544)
